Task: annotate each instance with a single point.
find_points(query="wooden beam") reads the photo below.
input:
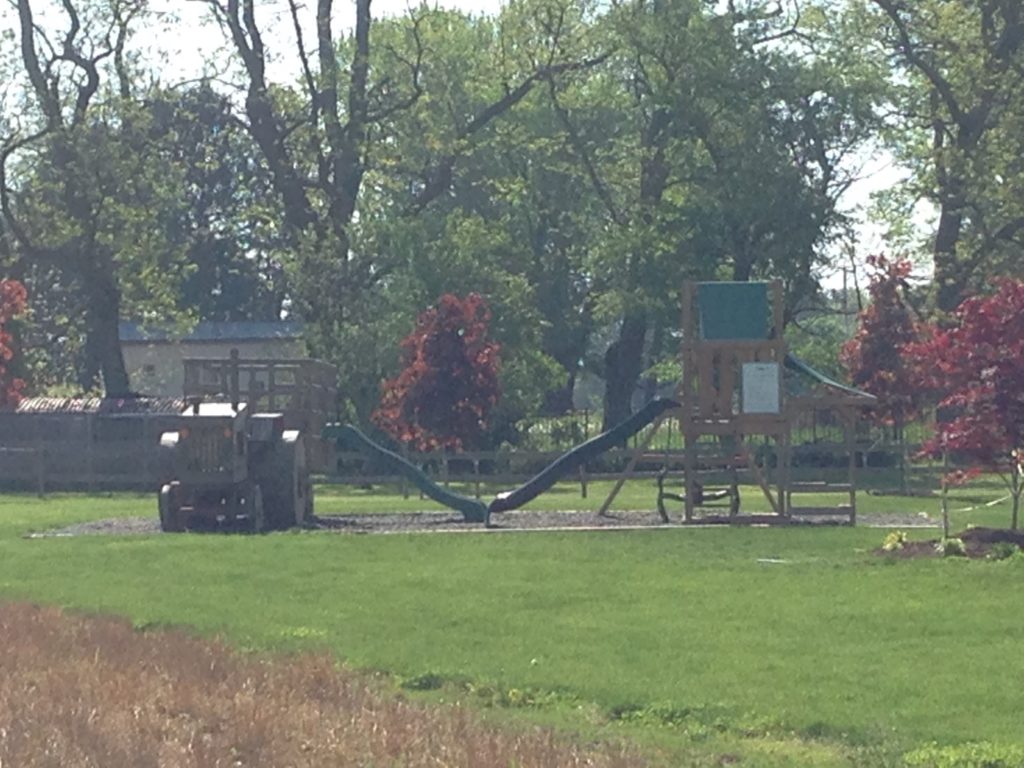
(640, 450)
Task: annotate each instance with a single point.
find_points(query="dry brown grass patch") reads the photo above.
(82, 691)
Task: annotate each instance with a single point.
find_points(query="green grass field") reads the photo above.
(782, 647)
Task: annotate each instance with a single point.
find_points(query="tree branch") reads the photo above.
(440, 178)
(576, 142)
(913, 56)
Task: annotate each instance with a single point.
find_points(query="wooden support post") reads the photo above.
(401, 478)
(758, 474)
(637, 452)
(783, 473)
(689, 471)
(849, 424)
(233, 379)
(686, 427)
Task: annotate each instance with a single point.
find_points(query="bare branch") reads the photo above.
(11, 145)
(48, 101)
(914, 57)
(414, 66)
(578, 146)
(440, 178)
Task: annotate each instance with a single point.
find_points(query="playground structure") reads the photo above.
(733, 388)
(303, 390)
(226, 465)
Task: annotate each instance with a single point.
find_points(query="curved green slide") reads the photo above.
(581, 454)
(475, 511)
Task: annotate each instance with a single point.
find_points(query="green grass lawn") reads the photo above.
(696, 640)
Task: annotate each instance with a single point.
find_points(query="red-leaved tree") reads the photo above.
(977, 368)
(449, 384)
(12, 304)
(873, 356)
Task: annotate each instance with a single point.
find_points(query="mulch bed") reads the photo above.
(978, 543)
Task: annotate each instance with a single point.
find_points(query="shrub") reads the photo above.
(951, 547)
(1003, 550)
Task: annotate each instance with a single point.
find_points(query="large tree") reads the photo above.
(718, 150)
(320, 139)
(227, 221)
(81, 193)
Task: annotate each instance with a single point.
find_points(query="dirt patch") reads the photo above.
(978, 543)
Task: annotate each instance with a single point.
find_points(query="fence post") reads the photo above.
(40, 456)
(401, 478)
(583, 481)
(233, 379)
(39, 453)
(90, 465)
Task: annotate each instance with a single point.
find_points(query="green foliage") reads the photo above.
(956, 128)
(552, 433)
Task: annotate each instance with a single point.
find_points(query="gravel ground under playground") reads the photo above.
(520, 520)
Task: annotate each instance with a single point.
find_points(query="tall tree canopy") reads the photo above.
(572, 161)
(716, 150)
(958, 126)
(85, 193)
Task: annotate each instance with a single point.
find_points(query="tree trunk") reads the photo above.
(102, 316)
(948, 279)
(558, 402)
(623, 363)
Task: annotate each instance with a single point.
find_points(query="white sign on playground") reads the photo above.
(761, 388)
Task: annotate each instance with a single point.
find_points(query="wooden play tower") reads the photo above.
(732, 398)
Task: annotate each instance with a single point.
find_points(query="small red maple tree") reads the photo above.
(977, 369)
(449, 384)
(12, 304)
(873, 356)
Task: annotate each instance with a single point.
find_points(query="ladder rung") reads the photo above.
(821, 511)
(819, 487)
